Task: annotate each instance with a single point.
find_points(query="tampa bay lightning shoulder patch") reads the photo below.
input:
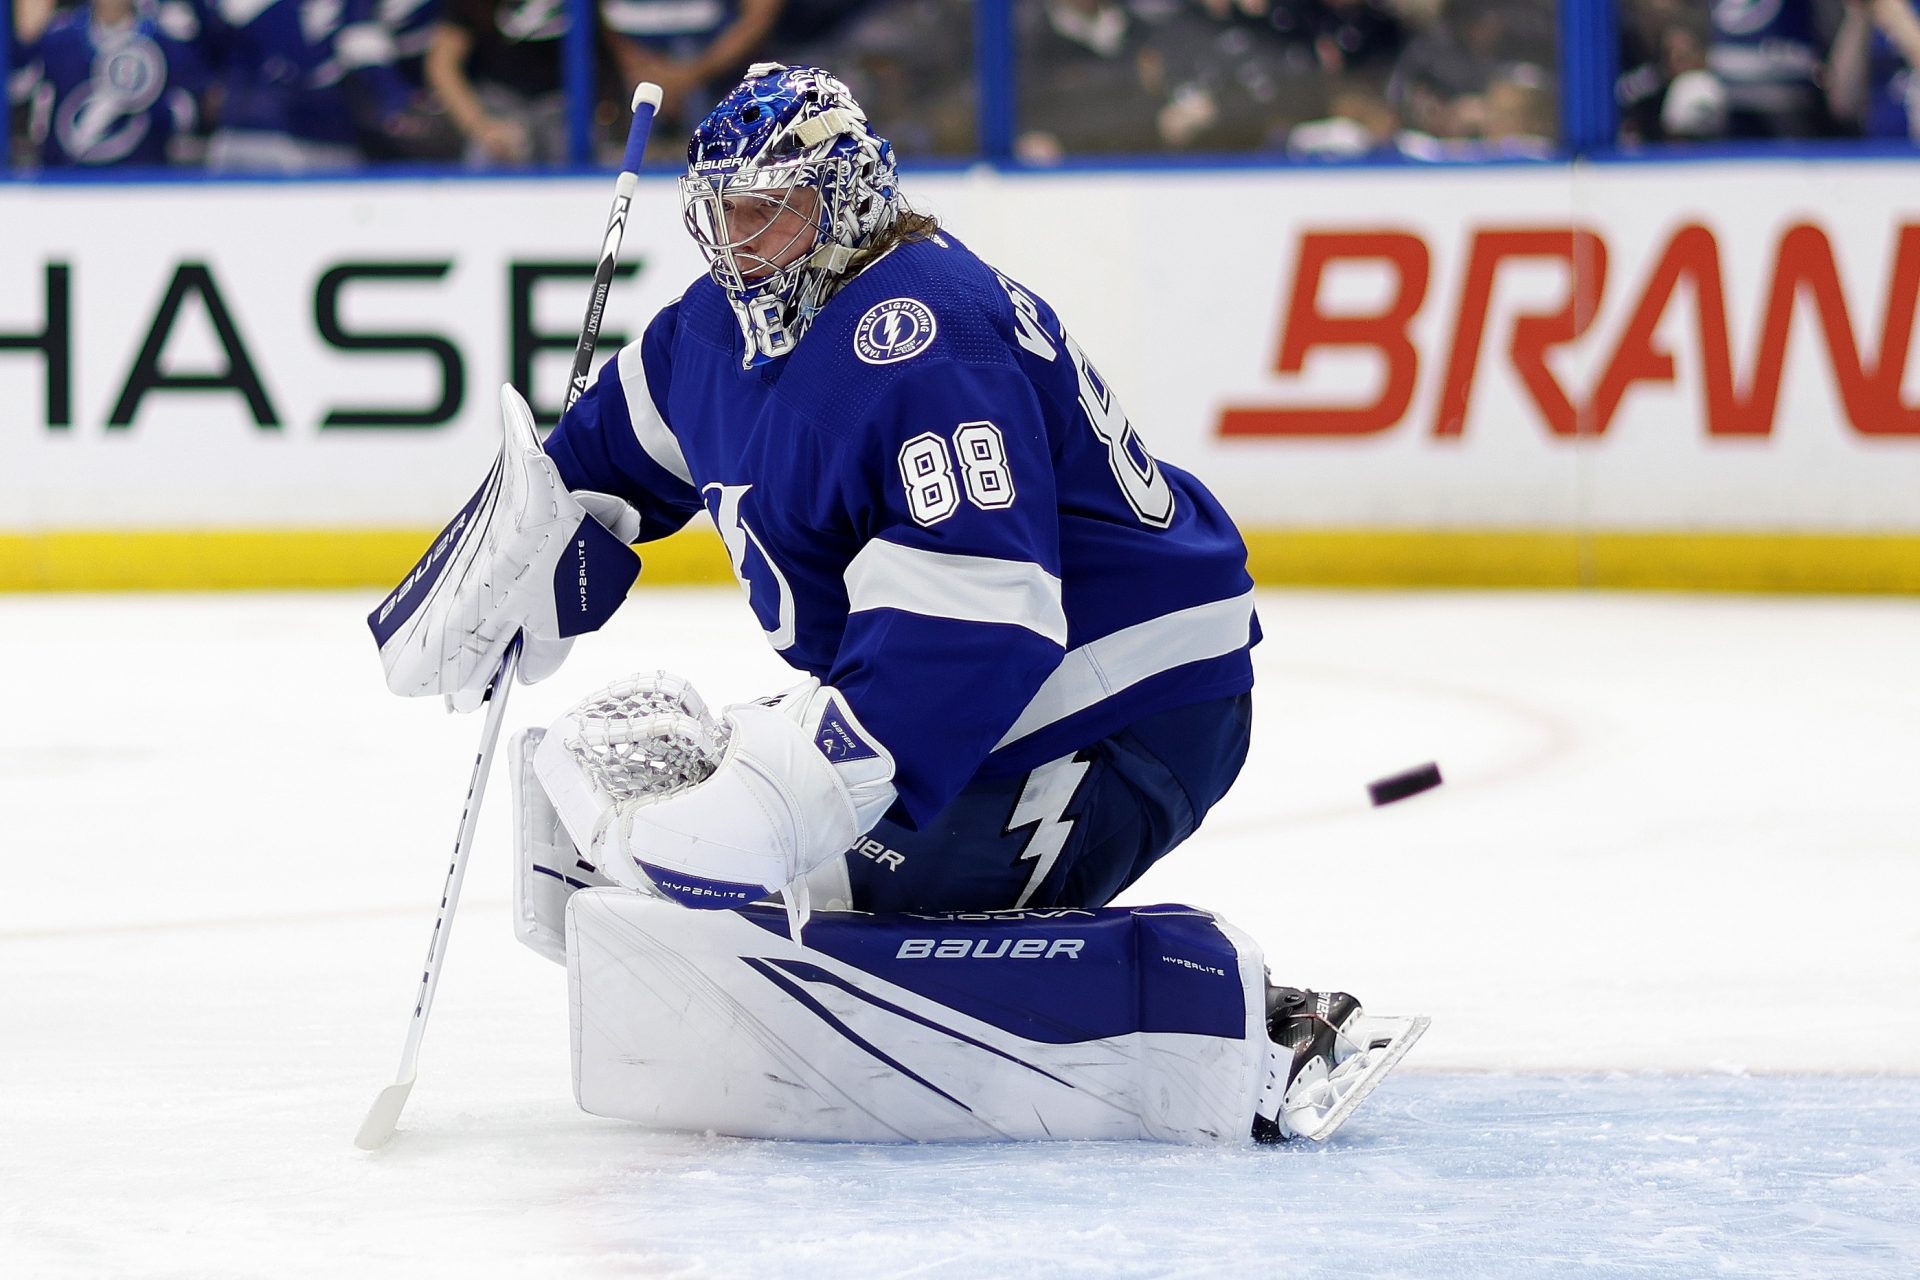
(895, 330)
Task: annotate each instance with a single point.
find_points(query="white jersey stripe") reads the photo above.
(649, 428)
(1104, 667)
(935, 584)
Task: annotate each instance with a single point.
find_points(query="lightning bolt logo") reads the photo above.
(895, 330)
(1043, 805)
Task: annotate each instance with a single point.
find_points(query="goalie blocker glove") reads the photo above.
(523, 557)
(660, 796)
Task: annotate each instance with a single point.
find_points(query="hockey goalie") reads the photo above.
(873, 906)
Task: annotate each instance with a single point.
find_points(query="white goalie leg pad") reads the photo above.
(547, 868)
(1136, 1023)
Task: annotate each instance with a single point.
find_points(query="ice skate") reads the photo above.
(1327, 1055)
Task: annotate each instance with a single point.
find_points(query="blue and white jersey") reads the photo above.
(284, 65)
(412, 23)
(102, 95)
(1758, 42)
(1892, 92)
(676, 28)
(936, 504)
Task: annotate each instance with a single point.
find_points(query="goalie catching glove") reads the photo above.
(523, 557)
(659, 794)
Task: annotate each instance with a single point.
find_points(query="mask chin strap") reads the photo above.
(831, 258)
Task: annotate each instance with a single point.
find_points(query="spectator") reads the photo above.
(411, 23)
(498, 67)
(105, 84)
(30, 18)
(1694, 106)
(1455, 58)
(1870, 77)
(1518, 120)
(1237, 73)
(1767, 55)
(907, 61)
(1442, 78)
(1360, 122)
(1086, 81)
(307, 87)
(692, 49)
(1663, 41)
(1355, 36)
(807, 24)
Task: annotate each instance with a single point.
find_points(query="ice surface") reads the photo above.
(1662, 914)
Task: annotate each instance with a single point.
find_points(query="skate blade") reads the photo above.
(1387, 1040)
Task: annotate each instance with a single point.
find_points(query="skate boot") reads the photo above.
(1326, 1056)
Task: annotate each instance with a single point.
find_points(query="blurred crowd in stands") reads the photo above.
(1767, 69)
(299, 86)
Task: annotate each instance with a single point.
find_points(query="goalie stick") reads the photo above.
(384, 1115)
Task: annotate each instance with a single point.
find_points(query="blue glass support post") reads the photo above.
(577, 66)
(1589, 58)
(993, 59)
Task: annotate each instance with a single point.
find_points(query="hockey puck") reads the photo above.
(1408, 782)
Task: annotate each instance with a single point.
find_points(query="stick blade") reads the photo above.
(383, 1116)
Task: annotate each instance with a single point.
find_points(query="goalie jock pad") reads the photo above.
(1147, 1022)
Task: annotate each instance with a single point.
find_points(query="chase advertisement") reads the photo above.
(1604, 348)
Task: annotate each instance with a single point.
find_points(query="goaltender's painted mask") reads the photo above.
(785, 182)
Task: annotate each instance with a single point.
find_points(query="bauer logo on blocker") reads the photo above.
(895, 330)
